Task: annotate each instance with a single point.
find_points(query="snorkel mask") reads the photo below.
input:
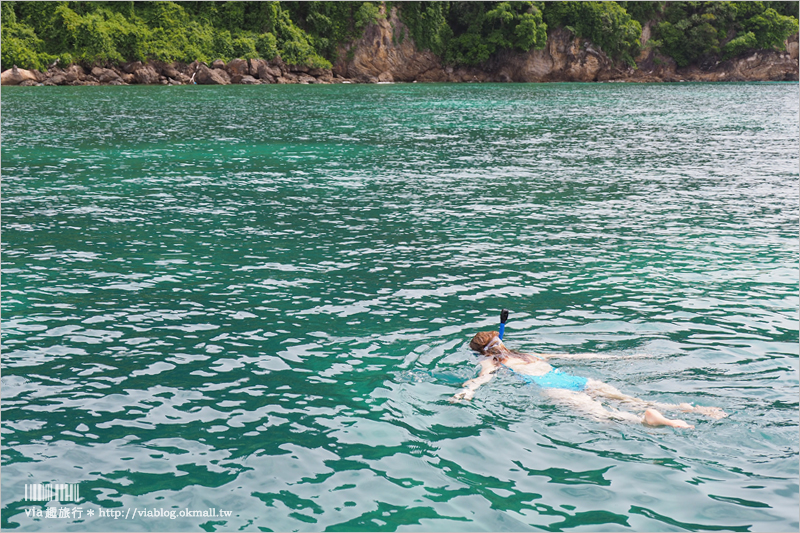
(484, 341)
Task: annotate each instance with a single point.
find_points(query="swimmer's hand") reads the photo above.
(488, 367)
(465, 394)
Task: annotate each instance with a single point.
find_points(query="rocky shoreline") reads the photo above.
(237, 71)
(385, 54)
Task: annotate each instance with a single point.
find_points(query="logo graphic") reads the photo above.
(61, 492)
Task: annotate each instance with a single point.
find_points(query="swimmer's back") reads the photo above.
(556, 379)
(545, 375)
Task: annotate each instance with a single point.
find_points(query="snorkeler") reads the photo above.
(578, 392)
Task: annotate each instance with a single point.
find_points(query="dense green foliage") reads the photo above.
(469, 33)
(693, 31)
(642, 12)
(480, 29)
(606, 24)
(329, 24)
(35, 34)
(427, 23)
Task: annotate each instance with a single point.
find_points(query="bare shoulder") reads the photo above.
(530, 368)
(488, 365)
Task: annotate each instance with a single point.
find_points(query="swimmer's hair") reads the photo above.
(479, 341)
(499, 352)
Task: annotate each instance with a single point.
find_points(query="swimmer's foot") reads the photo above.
(654, 418)
(712, 412)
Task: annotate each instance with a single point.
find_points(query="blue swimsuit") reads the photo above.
(556, 379)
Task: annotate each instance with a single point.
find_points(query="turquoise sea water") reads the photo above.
(259, 299)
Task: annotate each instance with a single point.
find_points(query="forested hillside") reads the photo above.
(37, 34)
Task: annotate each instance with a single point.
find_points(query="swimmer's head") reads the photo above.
(488, 343)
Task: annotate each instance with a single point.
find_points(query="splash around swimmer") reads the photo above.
(582, 394)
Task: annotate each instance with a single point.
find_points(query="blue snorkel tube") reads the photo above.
(503, 318)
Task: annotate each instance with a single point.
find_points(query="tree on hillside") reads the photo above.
(692, 31)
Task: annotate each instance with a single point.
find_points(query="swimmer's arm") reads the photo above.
(488, 367)
(594, 356)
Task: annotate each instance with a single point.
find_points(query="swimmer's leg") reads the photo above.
(582, 402)
(598, 388)
(654, 418)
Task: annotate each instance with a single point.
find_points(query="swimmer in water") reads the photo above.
(580, 393)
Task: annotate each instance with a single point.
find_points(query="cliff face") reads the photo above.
(761, 65)
(387, 53)
(563, 59)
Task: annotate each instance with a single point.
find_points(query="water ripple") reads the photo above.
(258, 299)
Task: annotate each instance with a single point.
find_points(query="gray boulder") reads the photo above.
(58, 79)
(264, 71)
(15, 76)
(146, 75)
(104, 75)
(238, 67)
(130, 68)
(207, 76)
(74, 73)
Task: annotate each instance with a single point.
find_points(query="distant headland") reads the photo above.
(220, 43)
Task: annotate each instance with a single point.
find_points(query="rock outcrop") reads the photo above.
(565, 58)
(18, 76)
(387, 53)
(211, 76)
(262, 70)
(146, 75)
(237, 71)
(105, 75)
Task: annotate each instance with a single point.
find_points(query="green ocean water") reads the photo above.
(258, 300)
